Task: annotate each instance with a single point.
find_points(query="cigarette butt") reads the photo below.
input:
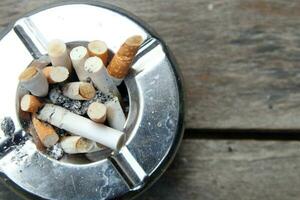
(56, 74)
(63, 118)
(97, 112)
(115, 115)
(131, 46)
(79, 91)
(39, 145)
(99, 76)
(98, 48)
(45, 132)
(28, 73)
(34, 81)
(30, 103)
(78, 56)
(77, 144)
(120, 64)
(58, 53)
(87, 91)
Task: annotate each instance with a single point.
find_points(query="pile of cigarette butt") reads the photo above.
(75, 104)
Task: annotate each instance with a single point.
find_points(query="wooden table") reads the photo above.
(241, 64)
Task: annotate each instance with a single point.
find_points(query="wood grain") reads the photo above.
(227, 169)
(231, 169)
(240, 58)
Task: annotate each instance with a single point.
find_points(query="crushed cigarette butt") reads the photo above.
(45, 132)
(8, 126)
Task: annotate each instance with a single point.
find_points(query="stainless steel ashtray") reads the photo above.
(156, 106)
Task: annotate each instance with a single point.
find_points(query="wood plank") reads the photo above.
(227, 169)
(231, 169)
(240, 58)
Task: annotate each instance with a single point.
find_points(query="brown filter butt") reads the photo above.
(39, 145)
(28, 73)
(98, 48)
(121, 62)
(86, 90)
(45, 132)
(30, 103)
(131, 46)
(119, 66)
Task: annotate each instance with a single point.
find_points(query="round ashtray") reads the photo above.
(154, 125)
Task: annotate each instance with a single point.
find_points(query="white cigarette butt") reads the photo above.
(98, 48)
(79, 91)
(77, 144)
(97, 72)
(78, 56)
(115, 115)
(56, 74)
(34, 81)
(59, 55)
(97, 112)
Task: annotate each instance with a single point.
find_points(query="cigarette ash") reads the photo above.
(56, 97)
(56, 152)
(8, 126)
(76, 106)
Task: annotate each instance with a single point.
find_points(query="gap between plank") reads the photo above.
(242, 134)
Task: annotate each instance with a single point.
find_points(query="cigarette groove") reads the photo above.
(129, 168)
(146, 49)
(28, 43)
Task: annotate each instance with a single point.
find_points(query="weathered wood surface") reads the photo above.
(240, 58)
(229, 169)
